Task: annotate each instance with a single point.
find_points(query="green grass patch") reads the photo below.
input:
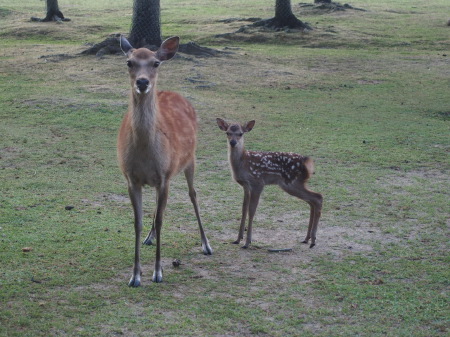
(365, 93)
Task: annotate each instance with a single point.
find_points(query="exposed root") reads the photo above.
(275, 24)
(56, 16)
(111, 46)
(329, 6)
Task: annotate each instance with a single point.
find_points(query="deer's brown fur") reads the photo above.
(157, 140)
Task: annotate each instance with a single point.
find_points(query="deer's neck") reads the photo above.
(144, 114)
(238, 158)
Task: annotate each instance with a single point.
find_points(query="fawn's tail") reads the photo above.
(309, 164)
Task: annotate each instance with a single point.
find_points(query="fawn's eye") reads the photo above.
(129, 64)
(240, 135)
(228, 133)
(156, 64)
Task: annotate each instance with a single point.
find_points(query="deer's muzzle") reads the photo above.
(142, 85)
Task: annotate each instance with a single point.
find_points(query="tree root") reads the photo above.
(56, 16)
(111, 46)
(275, 24)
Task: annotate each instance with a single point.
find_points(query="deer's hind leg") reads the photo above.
(315, 203)
(150, 239)
(189, 174)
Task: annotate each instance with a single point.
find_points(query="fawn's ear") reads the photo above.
(125, 45)
(222, 124)
(168, 48)
(249, 126)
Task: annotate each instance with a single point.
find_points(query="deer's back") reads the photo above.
(279, 167)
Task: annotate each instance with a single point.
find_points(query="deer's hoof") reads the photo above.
(312, 245)
(207, 250)
(305, 241)
(134, 282)
(148, 241)
(157, 276)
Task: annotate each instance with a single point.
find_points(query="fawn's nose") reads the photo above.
(233, 143)
(142, 84)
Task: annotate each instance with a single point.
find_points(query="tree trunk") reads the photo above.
(53, 12)
(146, 24)
(284, 16)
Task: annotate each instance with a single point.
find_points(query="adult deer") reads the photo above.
(253, 170)
(157, 140)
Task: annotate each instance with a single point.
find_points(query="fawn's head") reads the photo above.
(143, 63)
(235, 132)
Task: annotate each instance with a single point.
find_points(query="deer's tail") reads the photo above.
(309, 164)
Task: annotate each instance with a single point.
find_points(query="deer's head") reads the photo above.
(143, 63)
(235, 132)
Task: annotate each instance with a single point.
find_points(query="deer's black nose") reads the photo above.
(142, 84)
(233, 143)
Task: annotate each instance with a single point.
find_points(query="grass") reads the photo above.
(364, 93)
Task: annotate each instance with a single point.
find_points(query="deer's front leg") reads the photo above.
(244, 215)
(135, 193)
(254, 199)
(162, 202)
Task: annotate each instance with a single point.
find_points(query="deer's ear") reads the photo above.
(222, 124)
(125, 45)
(168, 48)
(249, 126)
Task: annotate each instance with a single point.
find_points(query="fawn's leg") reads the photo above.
(244, 214)
(135, 193)
(311, 221)
(189, 173)
(255, 193)
(315, 203)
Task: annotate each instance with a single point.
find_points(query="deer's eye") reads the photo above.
(129, 64)
(240, 135)
(228, 133)
(156, 64)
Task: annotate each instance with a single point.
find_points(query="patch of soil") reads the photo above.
(262, 31)
(326, 7)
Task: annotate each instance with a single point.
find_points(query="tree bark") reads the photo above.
(146, 24)
(284, 18)
(53, 13)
